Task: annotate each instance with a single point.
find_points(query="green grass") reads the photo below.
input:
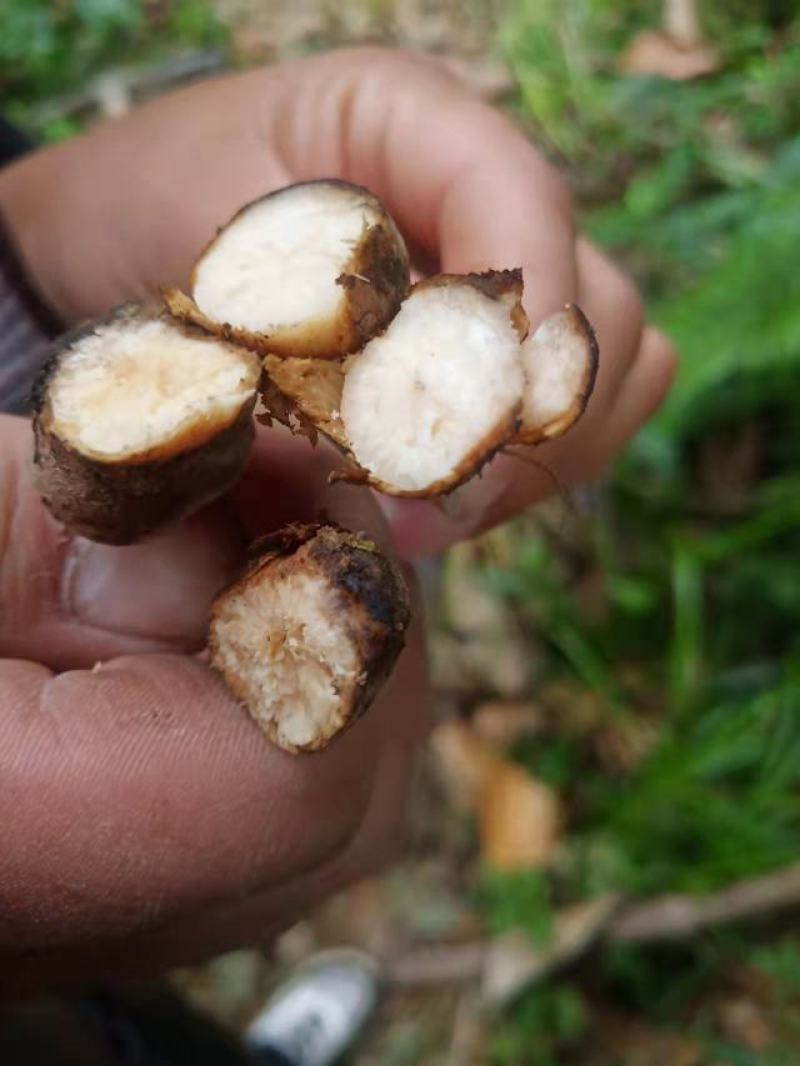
(696, 186)
(702, 593)
(548, 1022)
(48, 48)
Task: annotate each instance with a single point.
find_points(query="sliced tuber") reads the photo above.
(429, 389)
(305, 395)
(310, 632)
(430, 400)
(143, 417)
(313, 270)
(139, 421)
(560, 361)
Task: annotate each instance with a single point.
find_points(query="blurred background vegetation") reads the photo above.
(637, 649)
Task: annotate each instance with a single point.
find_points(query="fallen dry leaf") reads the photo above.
(296, 944)
(518, 819)
(518, 816)
(653, 52)
(677, 51)
(427, 905)
(464, 762)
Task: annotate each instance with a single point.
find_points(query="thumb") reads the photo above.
(143, 796)
(67, 602)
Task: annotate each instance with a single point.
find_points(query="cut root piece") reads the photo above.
(560, 362)
(310, 632)
(139, 421)
(428, 402)
(305, 395)
(314, 271)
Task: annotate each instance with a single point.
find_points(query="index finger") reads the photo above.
(463, 182)
(467, 186)
(497, 203)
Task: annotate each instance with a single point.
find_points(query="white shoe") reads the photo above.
(314, 1018)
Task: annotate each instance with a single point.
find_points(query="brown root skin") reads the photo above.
(279, 407)
(556, 427)
(365, 588)
(120, 502)
(505, 285)
(374, 283)
(349, 475)
(376, 280)
(305, 395)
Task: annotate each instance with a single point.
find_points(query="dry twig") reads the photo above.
(677, 917)
(510, 962)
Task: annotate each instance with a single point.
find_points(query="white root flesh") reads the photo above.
(307, 636)
(140, 388)
(425, 404)
(313, 271)
(139, 421)
(286, 639)
(560, 364)
(305, 293)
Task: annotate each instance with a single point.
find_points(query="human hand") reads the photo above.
(109, 216)
(144, 819)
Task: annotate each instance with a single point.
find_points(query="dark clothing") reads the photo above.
(27, 325)
(27, 328)
(13, 142)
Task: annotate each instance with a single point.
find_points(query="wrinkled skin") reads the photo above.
(145, 820)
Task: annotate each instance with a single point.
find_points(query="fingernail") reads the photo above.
(160, 590)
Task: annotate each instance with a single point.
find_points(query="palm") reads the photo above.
(241, 837)
(466, 188)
